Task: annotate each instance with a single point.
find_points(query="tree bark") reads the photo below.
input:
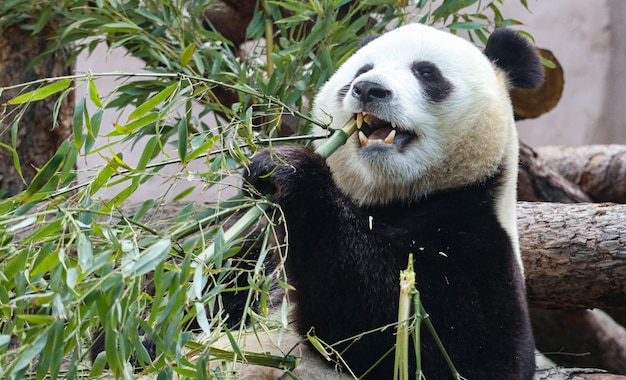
(575, 255)
(38, 135)
(230, 18)
(599, 170)
(539, 182)
(576, 330)
(557, 373)
(580, 338)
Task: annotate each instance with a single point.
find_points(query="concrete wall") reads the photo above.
(589, 40)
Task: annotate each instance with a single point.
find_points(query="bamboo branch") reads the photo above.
(337, 139)
(269, 38)
(407, 289)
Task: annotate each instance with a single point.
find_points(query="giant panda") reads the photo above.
(431, 172)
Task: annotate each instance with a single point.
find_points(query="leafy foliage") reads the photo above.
(74, 265)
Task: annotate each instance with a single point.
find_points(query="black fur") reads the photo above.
(435, 85)
(346, 274)
(370, 92)
(515, 54)
(367, 40)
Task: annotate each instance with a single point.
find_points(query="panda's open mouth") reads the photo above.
(373, 130)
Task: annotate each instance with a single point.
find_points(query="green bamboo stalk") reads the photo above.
(433, 333)
(269, 38)
(407, 288)
(409, 293)
(419, 374)
(337, 139)
(287, 362)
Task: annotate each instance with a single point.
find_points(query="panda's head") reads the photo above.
(433, 112)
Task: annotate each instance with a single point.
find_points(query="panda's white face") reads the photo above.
(433, 113)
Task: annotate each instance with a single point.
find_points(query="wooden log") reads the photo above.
(539, 182)
(574, 255)
(599, 170)
(580, 338)
(559, 373)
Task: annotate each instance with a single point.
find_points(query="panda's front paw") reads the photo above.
(285, 172)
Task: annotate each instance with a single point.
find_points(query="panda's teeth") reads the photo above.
(390, 136)
(363, 139)
(393, 125)
(359, 120)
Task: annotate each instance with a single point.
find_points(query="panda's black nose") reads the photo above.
(367, 91)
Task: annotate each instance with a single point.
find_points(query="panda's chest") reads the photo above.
(442, 229)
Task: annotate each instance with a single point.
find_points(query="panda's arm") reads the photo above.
(332, 249)
(315, 209)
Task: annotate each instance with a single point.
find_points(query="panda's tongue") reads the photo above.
(380, 134)
(383, 135)
(373, 130)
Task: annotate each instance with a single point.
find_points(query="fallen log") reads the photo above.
(599, 170)
(574, 254)
(559, 373)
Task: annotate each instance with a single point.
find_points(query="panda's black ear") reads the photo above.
(367, 40)
(516, 56)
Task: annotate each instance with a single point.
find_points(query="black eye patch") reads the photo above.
(435, 85)
(363, 70)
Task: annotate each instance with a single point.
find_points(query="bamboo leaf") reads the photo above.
(23, 224)
(78, 123)
(47, 172)
(42, 92)
(39, 319)
(148, 153)
(147, 260)
(4, 341)
(187, 55)
(129, 128)
(151, 103)
(84, 252)
(183, 193)
(203, 148)
(120, 197)
(145, 206)
(468, 25)
(202, 319)
(27, 356)
(451, 7)
(93, 94)
(16, 159)
(49, 261)
(121, 27)
(183, 139)
(68, 174)
(103, 177)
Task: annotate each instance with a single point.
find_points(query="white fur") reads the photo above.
(461, 140)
